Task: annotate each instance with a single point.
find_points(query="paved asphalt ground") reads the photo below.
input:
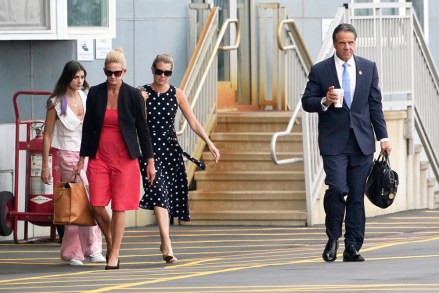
(401, 251)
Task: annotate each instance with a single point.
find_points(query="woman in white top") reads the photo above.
(63, 131)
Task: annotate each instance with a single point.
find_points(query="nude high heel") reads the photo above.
(168, 258)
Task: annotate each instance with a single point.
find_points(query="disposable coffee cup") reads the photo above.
(340, 93)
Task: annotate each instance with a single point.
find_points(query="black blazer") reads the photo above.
(132, 122)
(365, 116)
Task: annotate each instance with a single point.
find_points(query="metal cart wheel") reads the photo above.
(6, 206)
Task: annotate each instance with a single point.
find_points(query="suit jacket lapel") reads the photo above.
(358, 75)
(332, 72)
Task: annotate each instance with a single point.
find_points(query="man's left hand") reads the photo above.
(385, 146)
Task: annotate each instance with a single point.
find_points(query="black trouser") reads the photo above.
(346, 175)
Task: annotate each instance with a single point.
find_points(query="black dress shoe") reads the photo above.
(330, 252)
(351, 254)
(107, 267)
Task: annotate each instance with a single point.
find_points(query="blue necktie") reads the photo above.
(346, 84)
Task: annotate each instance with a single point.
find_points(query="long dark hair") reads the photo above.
(70, 69)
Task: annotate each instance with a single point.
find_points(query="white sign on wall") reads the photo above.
(85, 50)
(103, 46)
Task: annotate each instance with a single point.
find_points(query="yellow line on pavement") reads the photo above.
(294, 288)
(240, 268)
(47, 277)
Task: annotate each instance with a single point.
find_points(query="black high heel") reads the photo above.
(107, 267)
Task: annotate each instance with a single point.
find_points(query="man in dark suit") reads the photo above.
(346, 137)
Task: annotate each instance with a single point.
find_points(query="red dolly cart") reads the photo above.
(37, 197)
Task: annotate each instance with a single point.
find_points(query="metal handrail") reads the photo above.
(211, 58)
(196, 59)
(281, 46)
(286, 132)
(237, 36)
(199, 83)
(427, 144)
(429, 139)
(298, 44)
(288, 25)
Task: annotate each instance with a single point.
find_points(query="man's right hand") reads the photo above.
(331, 97)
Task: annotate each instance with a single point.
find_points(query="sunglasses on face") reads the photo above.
(116, 73)
(167, 73)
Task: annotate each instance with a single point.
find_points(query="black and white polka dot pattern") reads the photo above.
(170, 187)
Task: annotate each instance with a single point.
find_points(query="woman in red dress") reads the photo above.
(114, 126)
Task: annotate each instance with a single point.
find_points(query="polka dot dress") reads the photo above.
(170, 187)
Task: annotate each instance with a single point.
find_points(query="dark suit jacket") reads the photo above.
(365, 116)
(132, 122)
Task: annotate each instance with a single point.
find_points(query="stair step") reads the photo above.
(242, 116)
(257, 217)
(266, 222)
(261, 142)
(260, 136)
(250, 175)
(247, 200)
(252, 161)
(261, 156)
(254, 122)
(250, 180)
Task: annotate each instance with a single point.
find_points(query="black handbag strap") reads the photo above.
(384, 157)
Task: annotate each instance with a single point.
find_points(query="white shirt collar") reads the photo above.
(339, 62)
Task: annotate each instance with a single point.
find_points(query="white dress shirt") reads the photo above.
(351, 70)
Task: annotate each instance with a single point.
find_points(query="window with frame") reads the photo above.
(418, 6)
(91, 13)
(24, 15)
(57, 19)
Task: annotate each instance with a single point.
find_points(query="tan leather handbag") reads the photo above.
(71, 205)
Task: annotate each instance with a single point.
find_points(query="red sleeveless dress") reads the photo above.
(113, 175)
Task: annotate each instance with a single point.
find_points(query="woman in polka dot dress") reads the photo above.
(167, 195)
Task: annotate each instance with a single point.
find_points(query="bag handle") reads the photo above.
(66, 185)
(73, 178)
(386, 158)
(383, 157)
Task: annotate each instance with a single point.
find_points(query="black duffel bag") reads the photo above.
(382, 182)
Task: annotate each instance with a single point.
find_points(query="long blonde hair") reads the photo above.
(116, 56)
